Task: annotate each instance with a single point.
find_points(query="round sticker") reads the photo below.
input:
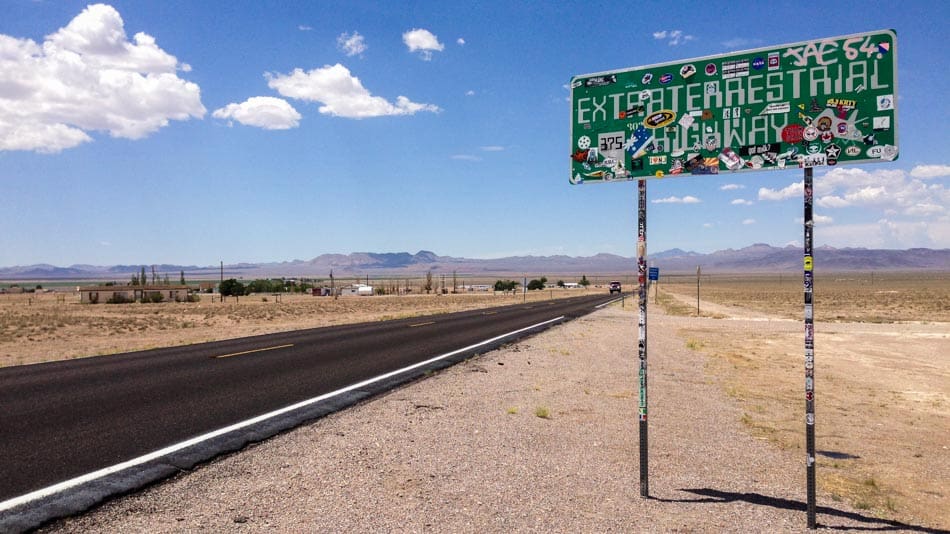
(792, 133)
(810, 133)
(710, 69)
(583, 143)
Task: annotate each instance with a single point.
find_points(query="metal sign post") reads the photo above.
(642, 343)
(809, 284)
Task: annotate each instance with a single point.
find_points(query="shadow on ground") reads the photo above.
(709, 495)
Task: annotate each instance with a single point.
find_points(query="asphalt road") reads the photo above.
(61, 420)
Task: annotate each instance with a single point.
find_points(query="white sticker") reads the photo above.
(776, 107)
(686, 121)
(885, 102)
(882, 123)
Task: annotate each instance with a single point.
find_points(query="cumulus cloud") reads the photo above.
(673, 37)
(678, 200)
(422, 41)
(264, 112)
(460, 41)
(930, 171)
(741, 202)
(731, 187)
(88, 76)
(795, 190)
(748, 221)
(911, 209)
(351, 44)
(895, 192)
(341, 94)
(493, 148)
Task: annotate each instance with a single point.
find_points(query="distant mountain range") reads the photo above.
(752, 259)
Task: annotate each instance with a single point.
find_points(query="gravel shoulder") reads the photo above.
(466, 451)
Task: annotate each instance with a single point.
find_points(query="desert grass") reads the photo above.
(844, 297)
(882, 380)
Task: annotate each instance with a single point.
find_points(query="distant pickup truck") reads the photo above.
(614, 287)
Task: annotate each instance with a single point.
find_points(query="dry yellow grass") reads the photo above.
(882, 379)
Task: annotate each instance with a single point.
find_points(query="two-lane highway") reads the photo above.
(63, 420)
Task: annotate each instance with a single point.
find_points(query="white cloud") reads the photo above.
(460, 41)
(795, 190)
(742, 202)
(341, 93)
(731, 187)
(892, 191)
(748, 221)
(675, 37)
(889, 233)
(88, 76)
(469, 93)
(708, 225)
(423, 41)
(304, 28)
(930, 171)
(466, 157)
(493, 148)
(677, 200)
(351, 45)
(262, 111)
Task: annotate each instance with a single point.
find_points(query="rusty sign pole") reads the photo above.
(809, 284)
(642, 344)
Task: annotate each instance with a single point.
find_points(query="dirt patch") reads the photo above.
(882, 394)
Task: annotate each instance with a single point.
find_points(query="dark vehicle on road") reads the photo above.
(614, 287)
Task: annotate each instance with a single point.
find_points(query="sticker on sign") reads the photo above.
(833, 91)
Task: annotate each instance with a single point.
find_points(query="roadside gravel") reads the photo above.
(465, 450)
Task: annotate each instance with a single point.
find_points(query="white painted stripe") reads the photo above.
(88, 477)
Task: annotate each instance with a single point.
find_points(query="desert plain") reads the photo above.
(882, 370)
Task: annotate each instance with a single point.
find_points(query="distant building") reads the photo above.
(356, 290)
(104, 294)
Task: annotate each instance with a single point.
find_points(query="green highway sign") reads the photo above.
(821, 102)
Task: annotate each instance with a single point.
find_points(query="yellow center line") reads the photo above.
(254, 350)
(421, 324)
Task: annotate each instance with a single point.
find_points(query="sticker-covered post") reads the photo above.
(809, 285)
(642, 337)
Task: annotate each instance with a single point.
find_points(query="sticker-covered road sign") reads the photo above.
(822, 102)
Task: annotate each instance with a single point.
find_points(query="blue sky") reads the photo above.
(197, 132)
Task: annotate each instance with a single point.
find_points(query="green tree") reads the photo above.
(428, 285)
(183, 278)
(142, 279)
(231, 287)
(535, 284)
(506, 285)
(584, 281)
(560, 284)
(135, 279)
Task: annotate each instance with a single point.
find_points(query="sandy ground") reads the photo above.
(540, 436)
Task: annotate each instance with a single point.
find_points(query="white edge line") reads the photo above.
(89, 477)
